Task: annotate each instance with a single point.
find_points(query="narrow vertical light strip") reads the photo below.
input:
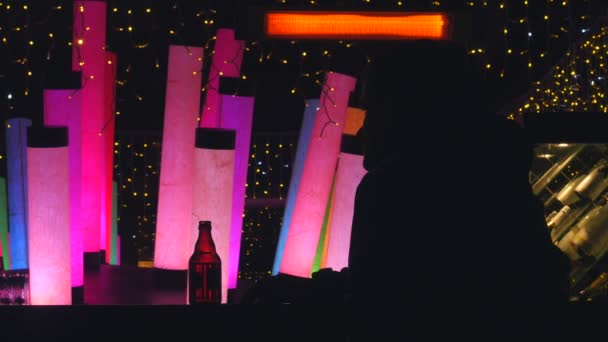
(89, 56)
(182, 101)
(226, 62)
(212, 196)
(114, 231)
(349, 173)
(323, 237)
(237, 114)
(16, 154)
(62, 107)
(308, 119)
(317, 176)
(49, 216)
(108, 129)
(4, 225)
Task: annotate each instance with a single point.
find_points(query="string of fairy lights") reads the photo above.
(550, 45)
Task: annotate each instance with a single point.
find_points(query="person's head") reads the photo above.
(411, 86)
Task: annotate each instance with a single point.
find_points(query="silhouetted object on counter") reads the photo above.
(445, 223)
(205, 269)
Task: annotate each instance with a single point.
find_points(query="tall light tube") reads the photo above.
(226, 62)
(317, 176)
(237, 103)
(108, 129)
(114, 245)
(4, 250)
(308, 119)
(49, 216)
(349, 173)
(174, 217)
(16, 154)
(212, 196)
(89, 57)
(62, 108)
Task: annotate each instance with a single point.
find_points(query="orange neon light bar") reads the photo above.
(357, 25)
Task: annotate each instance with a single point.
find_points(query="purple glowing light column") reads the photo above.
(49, 216)
(226, 62)
(212, 197)
(105, 236)
(174, 217)
(310, 110)
(237, 103)
(89, 57)
(62, 107)
(349, 173)
(16, 154)
(319, 167)
(4, 254)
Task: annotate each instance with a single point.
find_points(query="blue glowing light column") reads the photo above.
(16, 153)
(312, 106)
(4, 250)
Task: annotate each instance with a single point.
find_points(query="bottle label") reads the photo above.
(205, 283)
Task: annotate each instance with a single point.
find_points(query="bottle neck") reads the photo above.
(204, 243)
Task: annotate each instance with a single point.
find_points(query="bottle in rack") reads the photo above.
(205, 269)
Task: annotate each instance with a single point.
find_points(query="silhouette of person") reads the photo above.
(445, 218)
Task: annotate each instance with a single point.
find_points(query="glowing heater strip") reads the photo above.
(4, 253)
(182, 100)
(108, 156)
(226, 62)
(49, 217)
(212, 196)
(16, 154)
(349, 173)
(63, 108)
(317, 176)
(89, 57)
(327, 25)
(308, 119)
(237, 114)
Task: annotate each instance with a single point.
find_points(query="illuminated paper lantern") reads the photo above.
(212, 197)
(114, 245)
(62, 108)
(4, 252)
(108, 157)
(174, 217)
(321, 253)
(237, 113)
(49, 216)
(356, 25)
(349, 173)
(16, 153)
(89, 57)
(308, 119)
(226, 62)
(317, 175)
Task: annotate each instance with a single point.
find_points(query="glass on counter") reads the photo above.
(572, 182)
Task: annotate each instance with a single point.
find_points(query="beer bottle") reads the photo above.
(205, 269)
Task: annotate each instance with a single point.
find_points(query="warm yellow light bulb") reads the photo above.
(80, 41)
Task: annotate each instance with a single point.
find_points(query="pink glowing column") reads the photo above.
(48, 174)
(89, 57)
(349, 173)
(317, 175)
(237, 114)
(105, 236)
(212, 197)
(226, 62)
(174, 217)
(62, 107)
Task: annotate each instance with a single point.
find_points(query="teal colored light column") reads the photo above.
(308, 119)
(114, 234)
(4, 225)
(16, 153)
